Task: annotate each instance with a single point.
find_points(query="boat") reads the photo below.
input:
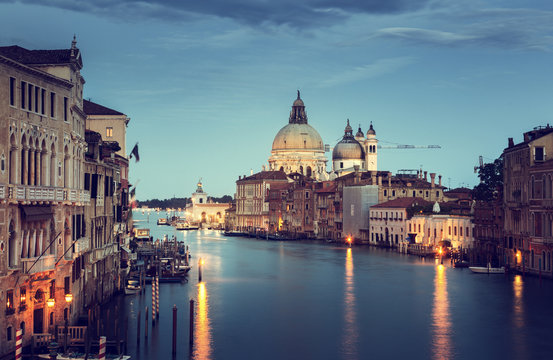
(181, 225)
(487, 269)
(81, 356)
(461, 264)
(162, 221)
(234, 233)
(132, 287)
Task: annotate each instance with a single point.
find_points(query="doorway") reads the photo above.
(38, 321)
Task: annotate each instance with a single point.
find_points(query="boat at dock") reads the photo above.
(487, 269)
(162, 221)
(81, 356)
(132, 287)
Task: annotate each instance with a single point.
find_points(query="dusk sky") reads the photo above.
(208, 84)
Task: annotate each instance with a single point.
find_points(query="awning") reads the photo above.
(37, 213)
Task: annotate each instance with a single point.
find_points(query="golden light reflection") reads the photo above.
(518, 316)
(350, 335)
(441, 322)
(202, 331)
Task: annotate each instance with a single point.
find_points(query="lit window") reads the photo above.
(109, 132)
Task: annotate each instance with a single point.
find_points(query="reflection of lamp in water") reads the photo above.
(202, 341)
(441, 323)
(350, 335)
(200, 265)
(349, 240)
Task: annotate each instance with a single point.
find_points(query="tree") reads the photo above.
(491, 181)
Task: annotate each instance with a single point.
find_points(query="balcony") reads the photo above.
(43, 194)
(45, 263)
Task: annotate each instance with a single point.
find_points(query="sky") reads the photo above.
(208, 84)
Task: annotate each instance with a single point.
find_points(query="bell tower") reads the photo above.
(371, 152)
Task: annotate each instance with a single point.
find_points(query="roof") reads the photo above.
(266, 175)
(36, 57)
(91, 108)
(404, 202)
(530, 136)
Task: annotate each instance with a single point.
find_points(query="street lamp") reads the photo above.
(68, 298)
(50, 302)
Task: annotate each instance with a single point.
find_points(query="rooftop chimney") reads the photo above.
(432, 179)
(251, 171)
(440, 180)
(389, 179)
(425, 178)
(511, 142)
(373, 177)
(379, 180)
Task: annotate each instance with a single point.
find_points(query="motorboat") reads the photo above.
(162, 221)
(132, 287)
(487, 269)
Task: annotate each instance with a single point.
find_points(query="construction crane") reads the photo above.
(400, 146)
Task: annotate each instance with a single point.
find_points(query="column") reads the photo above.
(31, 167)
(38, 171)
(24, 168)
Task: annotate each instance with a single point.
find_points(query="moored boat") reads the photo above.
(132, 287)
(487, 269)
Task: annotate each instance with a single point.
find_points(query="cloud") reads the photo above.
(378, 68)
(292, 13)
(505, 37)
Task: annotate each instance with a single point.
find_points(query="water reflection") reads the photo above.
(518, 317)
(202, 331)
(441, 318)
(349, 341)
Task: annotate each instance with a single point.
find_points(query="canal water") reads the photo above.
(297, 300)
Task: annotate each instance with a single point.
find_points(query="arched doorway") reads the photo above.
(204, 216)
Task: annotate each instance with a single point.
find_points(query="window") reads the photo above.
(341, 165)
(460, 231)
(449, 230)
(42, 101)
(9, 333)
(385, 193)
(23, 87)
(52, 105)
(9, 302)
(467, 231)
(306, 206)
(30, 98)
(455, 231)
(65, 109)
(22, 296)
(539, 154)
(12, 91)
(307, 194)
(37, 90)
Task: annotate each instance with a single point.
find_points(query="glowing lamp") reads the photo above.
(8, 304)
(50, 302)
(23, 298)
(68, 298)
(440, 251)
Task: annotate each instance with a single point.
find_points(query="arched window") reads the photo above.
(301, 170)
(308, 171)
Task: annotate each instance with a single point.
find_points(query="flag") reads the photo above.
(135, 153)
(133, 197)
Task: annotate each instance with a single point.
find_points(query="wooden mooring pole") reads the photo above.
(191, 331)
(138, 329)
(174, 329)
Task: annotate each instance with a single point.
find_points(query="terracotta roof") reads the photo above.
(266, 175)
(35, 57)
(91, 108)
(404, 202)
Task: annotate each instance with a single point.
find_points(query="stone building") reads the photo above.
(298, 147)
(388, 221)
(528, 200)
(325, 210)
(110, 124)
(42, 127)
(203, 210)
(252, 205)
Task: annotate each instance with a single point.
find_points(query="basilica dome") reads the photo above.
(348, 148)
(298, 137)
(298, 134)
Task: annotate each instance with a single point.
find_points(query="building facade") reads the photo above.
(527, 201)
(42, 126)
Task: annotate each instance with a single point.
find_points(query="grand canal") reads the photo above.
(292, 300)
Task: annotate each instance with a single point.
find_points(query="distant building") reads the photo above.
(202, 210)
(388, 221)
(110, 124)
(252, 201)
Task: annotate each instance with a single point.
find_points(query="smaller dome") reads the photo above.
(348, 148)
(298, 101)
(359, 132)
(371, 130)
